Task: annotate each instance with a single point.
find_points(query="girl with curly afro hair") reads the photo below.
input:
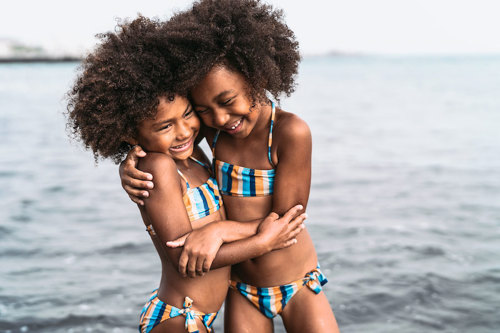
(126, 95)
(233, 55)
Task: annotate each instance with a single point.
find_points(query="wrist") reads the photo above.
(220, 231)
(263, 243)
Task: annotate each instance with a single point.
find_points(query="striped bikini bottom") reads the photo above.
(155, 312)
(272, 300)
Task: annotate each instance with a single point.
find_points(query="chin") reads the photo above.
(182, 156)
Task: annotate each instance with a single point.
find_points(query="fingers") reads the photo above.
(296, 222)
(188, 264)
(136, 182)
(191, 266)
(135, 192)
(174, 244)
(297, 231)
(199, 266)
(135, 153)
(207, 264)
(290, 243)
(178, 242)
(137, 179)
(291, 213)
(136, 200)
(183, 262)
(130, 164)
(273, 215)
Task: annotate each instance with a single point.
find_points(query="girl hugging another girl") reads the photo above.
(231, 56)
(127, 94)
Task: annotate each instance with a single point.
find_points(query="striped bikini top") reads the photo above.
(199, 201)
(239, 181)
(202, 200)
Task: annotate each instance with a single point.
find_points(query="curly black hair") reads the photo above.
(118, 86)
(246, 36)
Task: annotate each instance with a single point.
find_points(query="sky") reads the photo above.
(321, 26)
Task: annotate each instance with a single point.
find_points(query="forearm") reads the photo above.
(239, 251)
(232, 231)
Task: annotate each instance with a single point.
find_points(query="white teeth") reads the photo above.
(236, 125)
(181, 146)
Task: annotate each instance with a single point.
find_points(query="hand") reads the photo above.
(200, 248)
(134, 181)
(279, 232)
(179, 242)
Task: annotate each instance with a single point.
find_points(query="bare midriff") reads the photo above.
(207, 292)
(276, 267)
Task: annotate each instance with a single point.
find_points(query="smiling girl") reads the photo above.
(125, 96)
(234, 53)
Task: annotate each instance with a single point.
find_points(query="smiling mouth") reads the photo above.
(182, 147)
(234, 126)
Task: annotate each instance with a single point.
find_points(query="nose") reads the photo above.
(221, 117)
(183, 130)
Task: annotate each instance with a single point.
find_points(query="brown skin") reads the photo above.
(221, 99)
(169, 140)
(223, 103)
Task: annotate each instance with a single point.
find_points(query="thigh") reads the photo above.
(309, 312)
(241, 316)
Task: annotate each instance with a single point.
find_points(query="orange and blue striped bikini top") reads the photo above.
(239, 181)
(202, 200)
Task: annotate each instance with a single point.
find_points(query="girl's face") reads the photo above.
(221, 100)
(172, 131)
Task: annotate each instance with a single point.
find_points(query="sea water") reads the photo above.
(404, 208)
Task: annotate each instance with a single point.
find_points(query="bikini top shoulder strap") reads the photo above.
(214, 142)
(184, 178)
(270, 142)
(200, 162)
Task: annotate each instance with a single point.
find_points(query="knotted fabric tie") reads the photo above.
(314, 280)
(190, 323)
(271, 300)
(155, 312)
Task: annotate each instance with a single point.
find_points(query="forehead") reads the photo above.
(218, 80)
(169, 110)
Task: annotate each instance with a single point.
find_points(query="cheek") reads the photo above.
(195, 123)
(207, 118)
(243, 107)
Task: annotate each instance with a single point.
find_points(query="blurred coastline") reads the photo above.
(12, 51)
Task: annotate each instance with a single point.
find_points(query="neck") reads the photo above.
(264, 119)
(182, 163)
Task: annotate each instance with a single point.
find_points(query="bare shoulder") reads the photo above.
(290, 127)
(159, 165)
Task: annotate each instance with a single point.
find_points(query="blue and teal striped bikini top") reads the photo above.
(202, 200)
(199, 201)
(239, 181)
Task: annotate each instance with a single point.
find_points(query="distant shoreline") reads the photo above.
(39, 60)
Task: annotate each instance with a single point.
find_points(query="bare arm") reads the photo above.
(135, 182)
(226, 230)
(293, 171)
(203, 248)
(164, 208)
